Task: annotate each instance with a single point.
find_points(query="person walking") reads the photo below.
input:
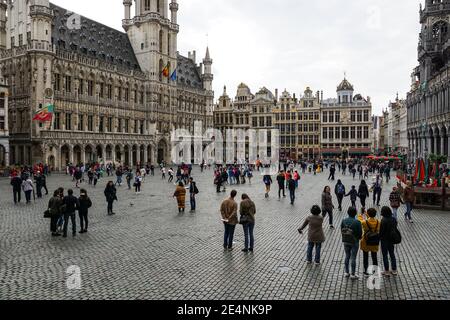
(351, 230)
(327, 205)
(292, 187)
(193, 191)
(39, 184)
(267, 179)
(332, 173)
(138, 182)
(84, 204)
(389, 236)
(409, 198)
(395, 201)
(129, 178)
(28, 188)
(171, 173)
(281, 184)
(247, 212)
(296, 178)
(370, 242)
(55, 205)
(377, 188)
(111, 196)
(78, 175)
(180, 194)
(16, 183)
(339, 190)
(363, 193)
(228, 211)
(163, 173)
(71, 205)
(316, 236)
(119, 175)
(353, 194)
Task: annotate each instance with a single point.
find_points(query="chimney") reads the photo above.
(276, 95)
(318, 96)
(321, 96)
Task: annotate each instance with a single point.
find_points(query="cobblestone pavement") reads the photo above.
(149, 251)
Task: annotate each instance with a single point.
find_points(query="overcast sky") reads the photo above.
(292, 44)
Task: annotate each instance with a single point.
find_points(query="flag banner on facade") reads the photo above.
(173, 77)
(45, 114)
(166, 71)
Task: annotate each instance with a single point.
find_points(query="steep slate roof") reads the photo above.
(188, 73)
(93, 39)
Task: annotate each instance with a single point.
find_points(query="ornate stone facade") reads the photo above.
(117, 96)
(428, 102)
(4, 131)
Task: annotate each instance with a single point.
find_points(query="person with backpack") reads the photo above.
(339, 190)
(395, 201)
(291, 184)
(281, 184)
(84, 204)
(267, 179)
(363, 193)
(327, 205)
(193, 191)
(370, 242)
(351, 230)
(316, 236)
(377, 188)
(389, 237)
(353, 196)
(247, 212)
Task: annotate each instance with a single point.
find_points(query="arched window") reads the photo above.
(439, 31)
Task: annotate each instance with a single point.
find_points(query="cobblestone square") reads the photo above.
(149, 251)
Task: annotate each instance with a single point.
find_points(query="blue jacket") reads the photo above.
(355, 225)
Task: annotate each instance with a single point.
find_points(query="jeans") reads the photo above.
(366, 259)
(409, 206)
(281, 190)
(129, 184)
(192, 201)
(83, 220)
(54, 222)
(340, 198)
(309, 251)
(330, 215)
(292, 195)
(377, 196)
(39, 191)
(28, 196)
(66, 223)
(351, 251)
(394, 213)
(119, 180)
(248, 234)
(17, 195)
(228, 236)
(388, 250)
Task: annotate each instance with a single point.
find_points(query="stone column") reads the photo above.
(113, 154)
(435, 142)
(130, 156)
(145, 160)
(448, 145)
(442, 145)
(138, 154)
(83, 155)
(71, 154)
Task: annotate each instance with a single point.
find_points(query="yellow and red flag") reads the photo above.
(166, 70)
(44, 114)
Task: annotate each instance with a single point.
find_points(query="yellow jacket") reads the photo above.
(372, 223)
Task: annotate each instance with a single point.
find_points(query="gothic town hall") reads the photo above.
(116, 96)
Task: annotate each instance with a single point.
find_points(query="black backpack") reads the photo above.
(372, 237)
(395, 235)
(348, 237)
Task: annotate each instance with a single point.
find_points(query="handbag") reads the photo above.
(47, 214)
(245, 219)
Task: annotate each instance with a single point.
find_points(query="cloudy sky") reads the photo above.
(292, 44)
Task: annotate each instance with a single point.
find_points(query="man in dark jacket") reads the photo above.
(16, 183)
(54, 206)
(72, 204)
(332, 173)
(39, 184)
(281, 183)
(339, 190)
(84, 204)
(291, 188)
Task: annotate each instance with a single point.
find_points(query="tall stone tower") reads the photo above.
(208, 78)
(434, 48)
(153, 35)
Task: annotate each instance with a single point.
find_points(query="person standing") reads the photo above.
(327, 205)
(44, 184)
(281, 184)
(180, 194)
(119, 175)
(292, 187)
(77, 176)
(111, 196)
(409, 198)
(54, 206)
(370, 242)
(363, 193)
(129, 177)
(163, 173)
(316, 236)
(332, 172)
(84, 204)
(377, 188)
(247, 212)
(296, 178)
(267, 179)
(339, 191)
(28, 188)
(395, 201)
(71, 205)
(387, 230)
(193, 191)
(228, 211)
(16, 183)
(39, 184)
(351, 230)
(138, 182)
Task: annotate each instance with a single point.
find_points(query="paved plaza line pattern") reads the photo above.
(149, 251)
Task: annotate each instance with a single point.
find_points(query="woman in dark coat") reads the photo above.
(363, 193)
(327, 205)
(111, 195)
(85, 204)
(387, 228)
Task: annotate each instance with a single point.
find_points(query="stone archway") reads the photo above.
(119, 157)
(150, 154)
(51, 161)
(126, 158)
(89, 154)
(108, 154)
(65, 156)
(99, 154)
(3, 160)
(77, 154)
(162, 151)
